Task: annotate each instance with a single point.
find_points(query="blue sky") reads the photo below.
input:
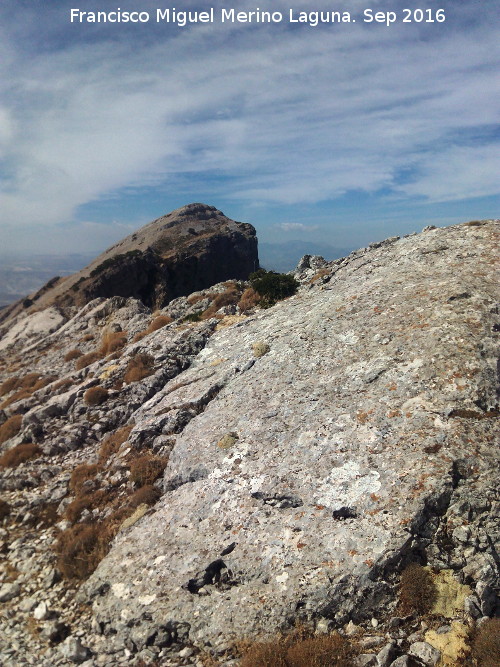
(344, 133)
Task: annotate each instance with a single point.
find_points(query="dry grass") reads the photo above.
(486, 644)
(88, 337)
(112, 341)
(296, 651)
(19, 454)
(72, 355)
(26, 386)
(148, 495)
(81, 548)
(80, 475)
(229, 297)
(10, 427)
(417, 593)
(86, 360)
(112, 443)
(64, 384)
(318, 275)
(249, 299)
(145, 469)
(196, 298)
(95, 396)
(139, 367)
(158, 323)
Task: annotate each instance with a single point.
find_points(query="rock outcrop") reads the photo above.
(310, 451)
(189, 249)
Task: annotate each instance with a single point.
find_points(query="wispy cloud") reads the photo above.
(278, 115)
(296, 227)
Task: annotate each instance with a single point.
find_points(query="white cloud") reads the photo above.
(296, 227)
(284, 116)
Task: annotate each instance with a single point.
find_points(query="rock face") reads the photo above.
(314, 449)
(192, 248)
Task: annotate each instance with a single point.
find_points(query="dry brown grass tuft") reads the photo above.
(318, 275)
(148, 495)
(26, 386)
(9, 385)
(88, 337)
(73, 354)
(486, 644)
(10, 427)
(86, 360)
(112, 341)
(80, 475)
(64, 384)
(112, 443)
(19, 454)
(145, 469)
(158, 323)
(196, 298)
(295, 650)
(81, 548)
(95, 396)
(138, 368)
(417, 592)
(227, 298)
(249, 299)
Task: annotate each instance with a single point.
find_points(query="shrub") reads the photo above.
(192, 317)
(154, 325)
(95, 396)
(27, 386)
(269, 654)
(323, 651)
(249, 299)
(486, 644)
(417, 593)
(10, 427)
(112, 341)
(146, 469)
(112, 443)
(148, 495)
(80, 475)
(64, 384)
(138, 367)
(273, 286)
(19, 454)
(73, 354)
(9, 385)
(227, 298)
(81, 548)
(86, 360)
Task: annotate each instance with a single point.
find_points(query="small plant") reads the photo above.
(146, 495)
(95, 396)
(80, 475)
(86, 360)
(146, 469)
(10, 427)
(486, 644)
(19, 454)
(417, 593)
(112, 341)
(260, 349)
(272, 286)
(81, 548)
(294, 651)
(138, 368)
(72, 355)
(227, 298)
(158, 323)
(249, 299)
(192, 317)
(112, 443)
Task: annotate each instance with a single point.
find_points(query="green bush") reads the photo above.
(273, 286)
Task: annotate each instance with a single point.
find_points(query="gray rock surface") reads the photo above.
(299, 482)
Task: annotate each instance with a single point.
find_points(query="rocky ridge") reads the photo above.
(310, 451)
(189, 249)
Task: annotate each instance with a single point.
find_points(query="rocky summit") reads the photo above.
(181, 484)
(189, 249)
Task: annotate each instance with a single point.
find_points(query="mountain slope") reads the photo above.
(290, 461)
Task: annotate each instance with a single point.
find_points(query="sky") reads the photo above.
(343, 133)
